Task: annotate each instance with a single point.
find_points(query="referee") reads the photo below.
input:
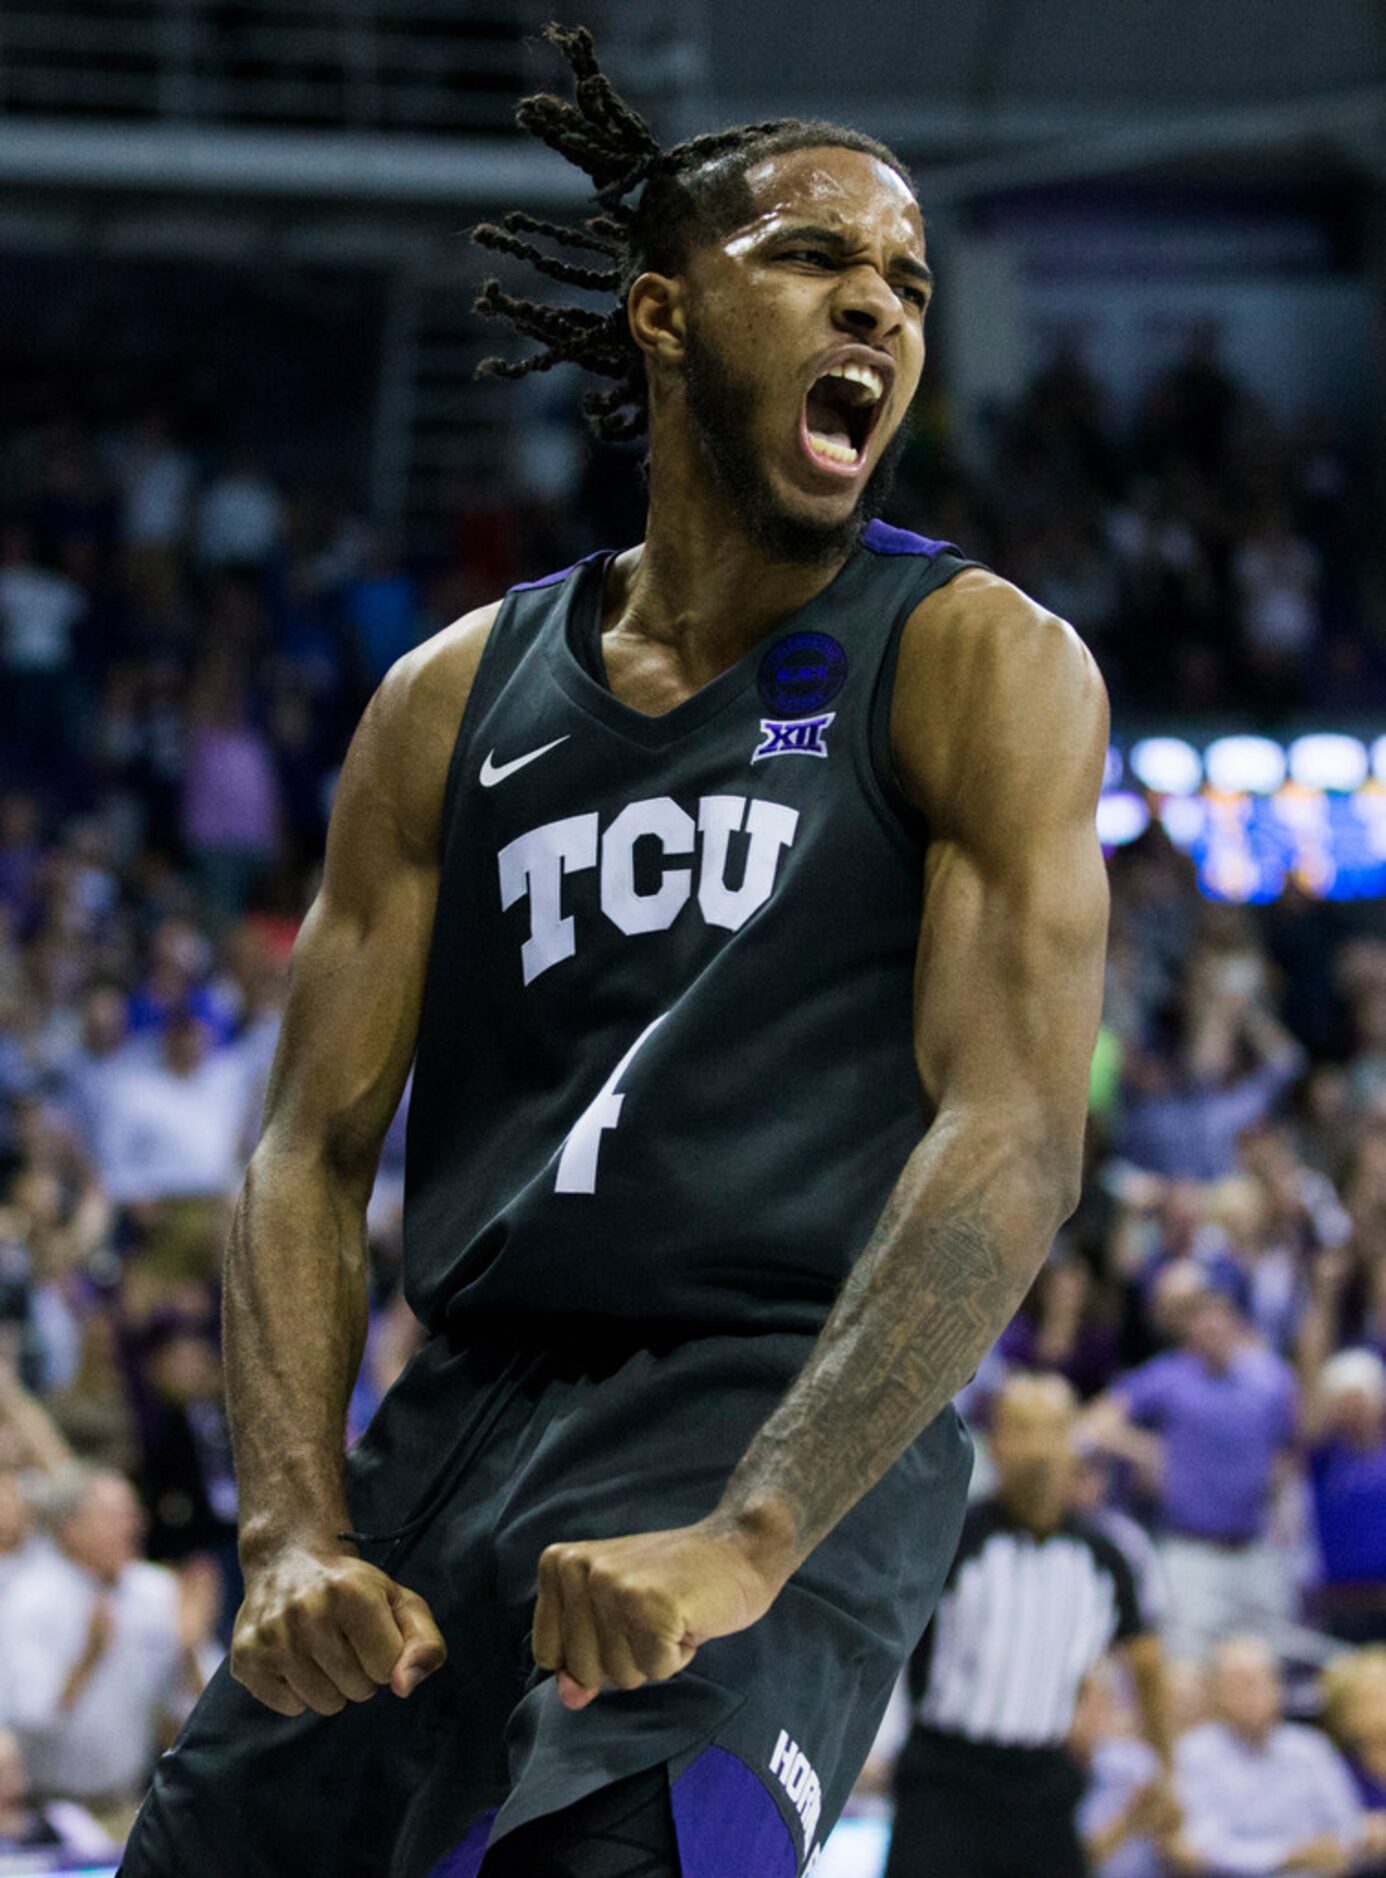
(1037, 1595)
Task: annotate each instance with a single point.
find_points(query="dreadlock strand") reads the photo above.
(563, 128)
(497, 367)
(571, 333)
(519, 221)
(596, 279)
(711, 144)
(630, 179)
(606, 407)
(596, 95)
(615, 227)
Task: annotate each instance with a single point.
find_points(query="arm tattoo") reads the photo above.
(920, 1308)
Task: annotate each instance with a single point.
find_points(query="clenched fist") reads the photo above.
(319, 1629)
(631, 1611)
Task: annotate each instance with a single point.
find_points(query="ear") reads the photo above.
(656, 312)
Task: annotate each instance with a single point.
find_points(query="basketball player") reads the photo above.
(739, 894)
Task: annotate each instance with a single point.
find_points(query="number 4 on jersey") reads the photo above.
(577, 1164)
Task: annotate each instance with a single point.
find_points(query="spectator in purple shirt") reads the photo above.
(1347, 1476)
(1212, 1425)
(231, 793)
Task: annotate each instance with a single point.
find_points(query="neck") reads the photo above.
(699, 581)
(1041, 1521)
(1253, 1737)
(105, 1578)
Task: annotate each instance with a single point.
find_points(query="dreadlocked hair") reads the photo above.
(688, 194)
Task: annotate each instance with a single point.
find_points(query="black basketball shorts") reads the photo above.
(477, 1459)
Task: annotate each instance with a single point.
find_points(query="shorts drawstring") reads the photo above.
(519, 1370)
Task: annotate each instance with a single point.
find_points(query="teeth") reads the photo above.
(829, 447)
(860, 375)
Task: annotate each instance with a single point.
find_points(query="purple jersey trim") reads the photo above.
(464, 1861)
(552, 580)
(726, 1821)
(881, 538)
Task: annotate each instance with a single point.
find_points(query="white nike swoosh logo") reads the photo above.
(492, 772)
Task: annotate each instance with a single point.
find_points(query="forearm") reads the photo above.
(1152, 1696)
(295, 1316)
(957, 1247)
(1100, 1842)
(47, 1450)
(78, 1677)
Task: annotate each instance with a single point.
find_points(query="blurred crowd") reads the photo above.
(185, 645)
(1213, 552)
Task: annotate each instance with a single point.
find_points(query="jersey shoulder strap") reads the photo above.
(906, 568)
(516, 630)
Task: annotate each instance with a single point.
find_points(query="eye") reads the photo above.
(811, 254)
(917, 294)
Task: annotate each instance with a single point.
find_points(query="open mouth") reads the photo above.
(839, 415)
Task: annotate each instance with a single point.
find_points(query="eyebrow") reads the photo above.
(838, 242)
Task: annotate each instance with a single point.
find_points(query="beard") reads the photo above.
(721, 407)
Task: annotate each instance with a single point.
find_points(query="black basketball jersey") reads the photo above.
(665, 1066)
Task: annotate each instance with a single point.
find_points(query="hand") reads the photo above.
(631, 1611)
(1329, 1272)
(1323, 1854)
(1154, 1812)
(1373, 1842)
(321, 1628)
(199, 1601)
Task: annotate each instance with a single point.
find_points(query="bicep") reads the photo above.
(1008, 981)
(1008, 988)
(355, 992)
(360, 961)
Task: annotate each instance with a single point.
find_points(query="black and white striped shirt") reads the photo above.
(1021, 1622)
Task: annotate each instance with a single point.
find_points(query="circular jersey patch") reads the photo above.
(802, 673)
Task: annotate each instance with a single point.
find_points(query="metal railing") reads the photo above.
(369, 66)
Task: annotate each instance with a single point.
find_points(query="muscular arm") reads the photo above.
(1000, 732)
(295, 1279)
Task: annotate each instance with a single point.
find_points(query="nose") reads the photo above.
(867, 304)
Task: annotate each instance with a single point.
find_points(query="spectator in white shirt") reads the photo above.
(103, 1046)
(240, 517)
(56, 1831)
(97, 1654)
(1261, 1795)
(170, 1124)
(39, 612)
(157, 475)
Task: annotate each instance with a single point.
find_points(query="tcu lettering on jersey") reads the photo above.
(535, 864)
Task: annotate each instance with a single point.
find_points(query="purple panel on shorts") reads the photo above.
(883, 539)
(719, 1804)
(552, 580)
(464, 1861)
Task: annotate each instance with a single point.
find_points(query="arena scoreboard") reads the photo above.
(1256, 814)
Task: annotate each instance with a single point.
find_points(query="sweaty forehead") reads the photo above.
(846, 189)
